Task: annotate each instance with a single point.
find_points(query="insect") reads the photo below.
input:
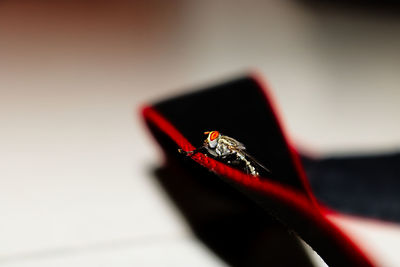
(229, 149)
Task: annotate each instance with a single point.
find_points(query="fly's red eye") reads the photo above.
(214, 135)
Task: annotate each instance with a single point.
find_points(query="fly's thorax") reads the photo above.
(223, 149)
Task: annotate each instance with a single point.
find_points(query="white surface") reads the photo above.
(161, 252)
(75, 159)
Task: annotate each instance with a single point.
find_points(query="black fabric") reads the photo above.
(367, 185)
(227, 221)
(360, 185)
(236, 109)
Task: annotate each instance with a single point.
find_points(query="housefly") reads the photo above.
(232, 151)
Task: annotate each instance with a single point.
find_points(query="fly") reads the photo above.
(225, 147)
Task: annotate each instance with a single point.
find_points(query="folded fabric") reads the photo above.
(247, 220)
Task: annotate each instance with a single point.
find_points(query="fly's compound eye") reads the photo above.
(213, 135)
(212, 138)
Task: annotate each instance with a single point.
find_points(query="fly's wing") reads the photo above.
(255, 162)
(236, 145)
(233, 143)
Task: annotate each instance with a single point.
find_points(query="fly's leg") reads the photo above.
(249, 167)
(189, 153)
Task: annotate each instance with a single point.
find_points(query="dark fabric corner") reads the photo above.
(365, 185)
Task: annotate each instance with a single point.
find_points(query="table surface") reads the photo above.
(76, 184)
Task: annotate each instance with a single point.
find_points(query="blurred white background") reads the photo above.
(76, 160)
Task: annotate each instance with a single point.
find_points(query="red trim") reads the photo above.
(286, 195)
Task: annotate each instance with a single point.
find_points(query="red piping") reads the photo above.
(269, 101)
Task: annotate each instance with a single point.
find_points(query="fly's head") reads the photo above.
(212, 139)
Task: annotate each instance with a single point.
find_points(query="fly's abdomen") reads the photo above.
(249, 166)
